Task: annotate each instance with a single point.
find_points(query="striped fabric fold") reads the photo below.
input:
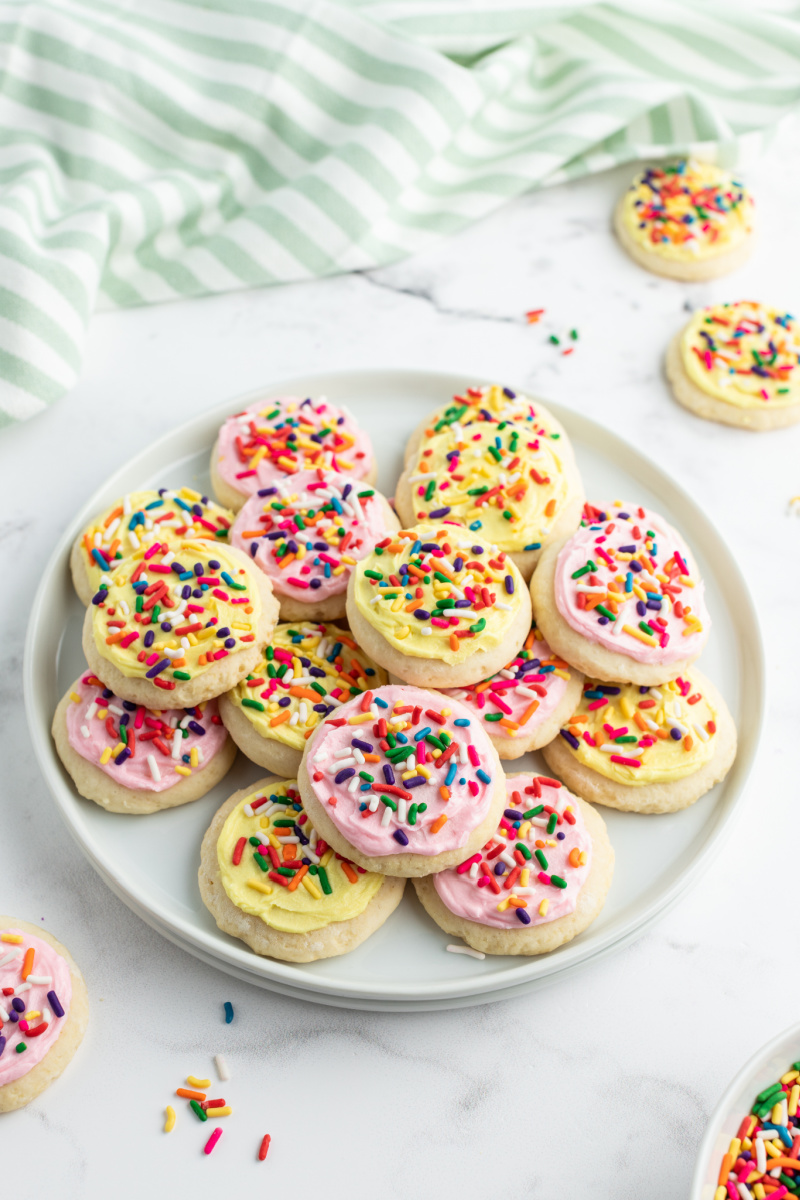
(158, 149)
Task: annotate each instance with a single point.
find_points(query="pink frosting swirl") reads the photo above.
(513, 691)
(651, 581)
(313, 576)
(42, 1031)
(326, 436)
(467, 773)
(475, 888)
(89, 736)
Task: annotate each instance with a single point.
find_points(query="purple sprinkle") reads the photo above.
(422, 614)
(267, 491)
(500, 868)
(253, 549)
(417, 781)
(676, 734)
(628, 549)
(230, 643)
(158, 668)
(55, 1004)
(2, 1044)
(284, 700)
(437, 513)
(388, 773)
(100, 596)
(196, 728)
(149, 638)
(400, 837)
(522, 916)
(512, 814)
(561, 836)
(186, 592)
(123, 754)
(315, 583)
(641, 608)
(568, 737)
(477, 549)
(458, 563)
(198, 569)
(509, 581)
(344, 775)
(365, 746)
(18, 1005)
(214, 564)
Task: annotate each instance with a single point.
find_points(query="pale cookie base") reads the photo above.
(21, 1091)
(80, 576)
(510, 748)
(414, 442)
(276, 756)
(691, 271)
(533, 939)
(229, 497)
(592, 659)
(650, 797)
(406, 865)
(338, 938)
(431, 672)
(94, 784)
(215, 680)
(711, 408)
(333, 607)
(525, 560)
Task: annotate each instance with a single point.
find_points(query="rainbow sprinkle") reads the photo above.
(763, 1160)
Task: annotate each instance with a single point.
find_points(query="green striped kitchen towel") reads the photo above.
(155, 149)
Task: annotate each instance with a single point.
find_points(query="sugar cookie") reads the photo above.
(268, 879)
(650, 750)
(129, 759)
(511, 481)
(273, 438)
(738, 364)
(622, 599)
(307, 671)
(688, 221)
(133, 523)
(536, 884)
(181, 624)
(307, 533)
(437, 608)
(44, 1020)
(523, 706)
(403, 781)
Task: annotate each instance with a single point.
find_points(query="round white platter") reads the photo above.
(151, 862)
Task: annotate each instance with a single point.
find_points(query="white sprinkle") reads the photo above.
(10, 956)
(222, 1068)
(387, 815)
(247, 809)
(353, 785)
(320, 756)
(177, 746)
(153, 765)
(3, 1014)
(426, 631)
(373, 804)
(41, 979)
(294, 718)
(359, 757)
(465, 950)
(85, 731)
(701, 733)
(133, 539)
(22, 987)
(168, 558)
(119, 712)
(91, 710)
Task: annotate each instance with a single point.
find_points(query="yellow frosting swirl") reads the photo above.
(636, 737)
(281, 675)
(687, 212)
(329, 888)
(497, 403)
(191, 645)
(745, 354)
(138, 519)
(437, 607)
(505, 479)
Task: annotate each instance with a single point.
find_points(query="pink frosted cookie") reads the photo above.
(523, 706)
(622, 599)
(131, 759)
(537, 883)
(44, 1008)
(306, 533)
(274, 438)
(403, 781)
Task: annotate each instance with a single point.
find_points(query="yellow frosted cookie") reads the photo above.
(738, 364)
(689, 220)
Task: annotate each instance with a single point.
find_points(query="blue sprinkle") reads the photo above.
(483, 776)
(461, 721)
(533, 546)
(228, 1012)
(376, 699)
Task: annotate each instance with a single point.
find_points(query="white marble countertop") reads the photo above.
(600, 1084)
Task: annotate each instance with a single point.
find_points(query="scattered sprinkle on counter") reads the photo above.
(228, 1012)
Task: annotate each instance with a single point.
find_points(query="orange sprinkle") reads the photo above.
(116, 637)
(508, 724)
(189, 1095)
(574, 857)
(529, 711)
(444, 792)
(295, 882)
(517, 902)
(687, 743)
(453, 642)
(27, 963)
(550, 508)
(349, 872)
(281, 717)
(304, 693)
(438, 823)
(112, 516)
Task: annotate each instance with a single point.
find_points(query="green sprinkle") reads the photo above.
(270, 653)
(430, 489)
(199, 1112)
(601, 608)
(365, 495)
(540, 858)
(582, 571)
(389, 803)
(552, 822)
(495, 453)
(479, 626)
(442, 578)
(248, 703)
(477, 491)
(318, 688)
(20, 1046)
(507, 515)
(264, 863)
(557, 881)
(422, 808)
(646, 629)
(139, 603)
(367, 778)
(323, 878)
(772, 1090)
(283, 870)
(220, 533)
(378, 549)
(627, 738)
(123, 733)
(412, 815)
(573, 333)
(533, 812)
(523, 849)
(493, 717)
(553, 340)
(154, 614)
(181, 675)
(254, 841)
(373, 574)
